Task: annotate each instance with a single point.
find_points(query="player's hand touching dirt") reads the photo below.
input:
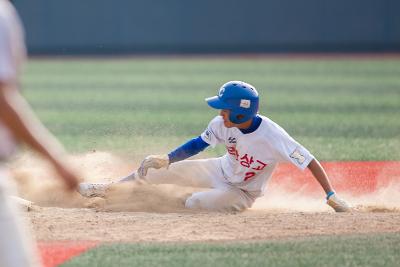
(153, 161)
(338, 204)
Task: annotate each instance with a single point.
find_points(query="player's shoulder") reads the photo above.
(270, 124)
(9, 21)
(7, 10)
(217, 126)
(217, 120)
(271, 128)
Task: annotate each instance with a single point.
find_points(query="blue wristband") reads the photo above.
(329, 195)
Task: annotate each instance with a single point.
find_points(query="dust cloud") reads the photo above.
(36, 182)
(385, 199)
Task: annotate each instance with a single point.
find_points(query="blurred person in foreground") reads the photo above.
(19, 125)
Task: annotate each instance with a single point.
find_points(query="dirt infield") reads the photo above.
(292, 207)
(50, 224)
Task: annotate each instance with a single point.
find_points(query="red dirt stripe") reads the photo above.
(357, 177)
(57, 252)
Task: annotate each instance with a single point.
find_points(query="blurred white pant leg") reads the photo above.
(220, 199)
(206, 173)
(195, 173)
(16, 245)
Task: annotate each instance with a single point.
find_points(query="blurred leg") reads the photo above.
(205, 173)
(16, 248)
(220, 199)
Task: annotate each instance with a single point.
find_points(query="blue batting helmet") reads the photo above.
(239, 97)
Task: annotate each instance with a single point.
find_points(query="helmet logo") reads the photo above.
(245, 103)
(221, 91)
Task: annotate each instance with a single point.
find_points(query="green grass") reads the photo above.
(363, 250)
(339, 109)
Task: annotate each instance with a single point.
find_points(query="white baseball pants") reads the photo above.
(16, 246)
(204, 173)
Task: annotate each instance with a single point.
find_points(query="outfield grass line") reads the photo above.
(235, 56)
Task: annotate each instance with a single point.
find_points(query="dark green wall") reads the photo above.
(191, 26)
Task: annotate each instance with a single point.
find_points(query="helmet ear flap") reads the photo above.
(240, 117)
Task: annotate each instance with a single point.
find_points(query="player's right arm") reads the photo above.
(187, 150)
(15, 113)
(26, 128)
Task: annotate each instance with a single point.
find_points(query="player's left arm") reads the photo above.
(290, 150)
(320, 175)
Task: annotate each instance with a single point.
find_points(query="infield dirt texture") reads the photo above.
(110, 113)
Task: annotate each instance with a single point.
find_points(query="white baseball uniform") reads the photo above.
(241, 175)
(12, 56)
(16, 248)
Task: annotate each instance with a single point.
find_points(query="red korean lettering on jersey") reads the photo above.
(249, 175)
(246, 161)
(260, 166)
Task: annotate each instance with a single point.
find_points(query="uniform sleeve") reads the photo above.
(212, 135)
(289, 150)
(12, 43)
(190, 148)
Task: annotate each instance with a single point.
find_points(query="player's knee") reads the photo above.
(196, 202)
(237, 207)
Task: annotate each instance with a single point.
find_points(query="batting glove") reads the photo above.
(153, 161)
(339, 205)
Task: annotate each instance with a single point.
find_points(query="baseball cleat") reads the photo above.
(339, 205)
(93, 189)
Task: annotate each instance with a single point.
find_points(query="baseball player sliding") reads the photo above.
(255, 145)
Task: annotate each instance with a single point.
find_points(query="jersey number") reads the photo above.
(249, 175)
